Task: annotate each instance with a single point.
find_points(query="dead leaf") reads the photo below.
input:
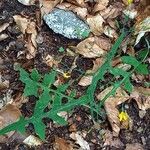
(49, 60)
(28, 28)
(112, 11)
(62, 144)
(21, 22)
(3, 84)
(97, 64)
(79, 140)
(46, 6)
(96, 24)
(3, 37)
(85, 80)
(110, 32)
(100, 5)
(134, 146)
(77, 2)
(111, 141)
(32, 141)
(3, 27)
(142, 97)
(92, 47)
(27, 2)
(8, 115)
(111, 107)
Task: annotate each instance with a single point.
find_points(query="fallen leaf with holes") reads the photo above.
(27, 2)
(8, 115)
(96, 24)
(142, 97)
(85, 80)
(93, 47)
(3, 27)
(28, 28)
(62, 144)
(100, 5)
(111, 107)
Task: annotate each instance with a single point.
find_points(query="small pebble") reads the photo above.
(142, 113)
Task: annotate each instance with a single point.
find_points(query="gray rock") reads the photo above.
(67, 24)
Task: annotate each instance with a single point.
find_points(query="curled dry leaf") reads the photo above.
(97, 64)
(62, 144)
(110, 141)
(134, 146)
(85, 80)
(49, 60)
(142, 97)
(110, 32)
(46, 6)
(112, 11)
(3, 37)
(3, 27)
(100, 5)
(111, 107)
(27, 2)
(79, 140)
(8, 115)
(96, 24)
(93, 47)
(82, 12)
(77, 2)
(28, 28)
(32, 141)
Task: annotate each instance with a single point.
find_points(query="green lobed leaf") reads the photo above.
(142, 69)
(35, 75)
(40, 127)
(49, 78)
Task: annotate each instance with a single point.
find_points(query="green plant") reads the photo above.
(42, 88)
(61, 49)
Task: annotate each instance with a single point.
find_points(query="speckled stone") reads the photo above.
(66, 23)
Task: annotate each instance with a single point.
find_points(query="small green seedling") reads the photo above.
(61, 49)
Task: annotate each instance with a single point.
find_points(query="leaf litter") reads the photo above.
(100, 16)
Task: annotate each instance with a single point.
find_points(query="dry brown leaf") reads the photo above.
(27, 2)
(77, 2)
(96, 24)
(97, 64)
(49, 60)
(110, 32)
(3, 27)
(21, 22)
(62, 144)
(110, 106)
(112, 11)
(93, 47)
(110, 141)
(46, 6)
(28, 28)
(3, 37)
(85, 80)
(80, 11)
(8, 115)
(100, 5)
(142, 97)
(134, 146)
